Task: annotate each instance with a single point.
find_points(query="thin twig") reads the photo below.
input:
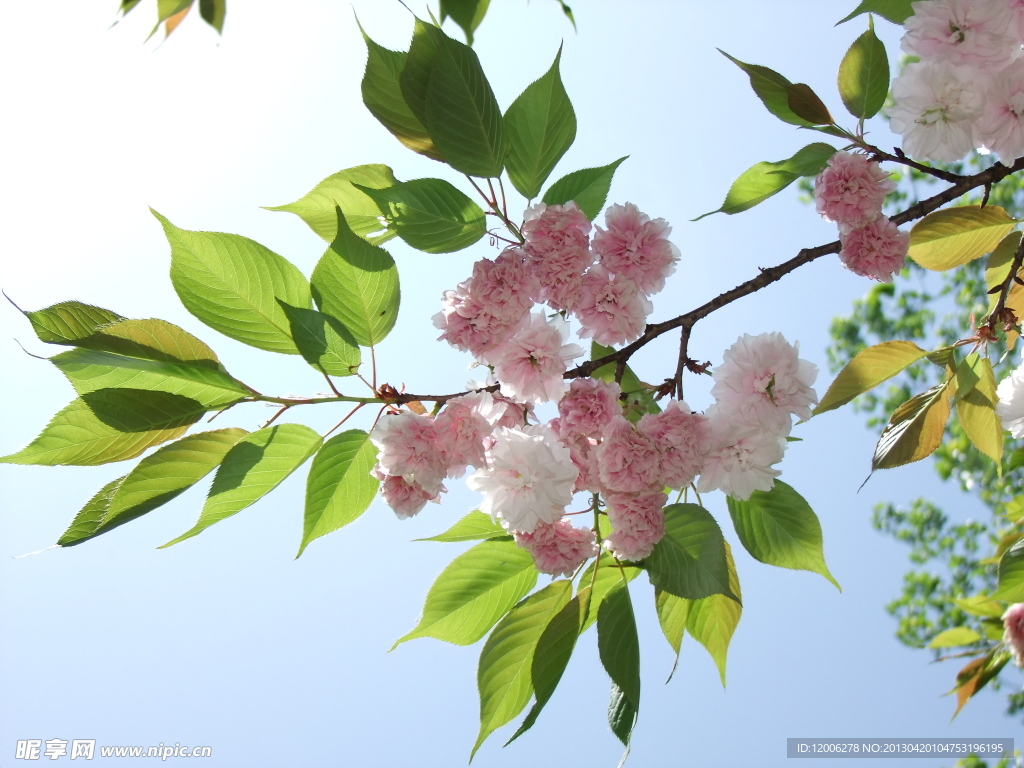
(684, 342)
(350, 415)
(997, 314)
(273, 418)
(902, 159)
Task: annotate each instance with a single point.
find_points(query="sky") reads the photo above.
(226, 640)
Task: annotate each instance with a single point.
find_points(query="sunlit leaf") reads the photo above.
(869, 368)
(953, 236)
(588, 188)
(914, 430)
(473, 527)
(340, 487)
(474, 591)
(864, 75)
(431, 215)
(254, 467)
(689, 561)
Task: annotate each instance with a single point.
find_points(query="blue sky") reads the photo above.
(225, 640)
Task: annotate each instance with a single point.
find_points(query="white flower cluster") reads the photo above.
(967, 90)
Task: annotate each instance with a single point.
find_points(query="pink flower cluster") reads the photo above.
(850, 191)
(529, 473)
(1013, 632)
(605, 282)
(760, 385)
(967, 90)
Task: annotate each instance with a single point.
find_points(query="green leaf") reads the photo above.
(639, 396)
(541, 126)
(864, 75)
(473, 527)
(689, 561)
(869, 368)
(503, 675)
(610, 576)
(806, 104)
(254, 467)
(618, 644)
(109, 425)
(712, 620)
(896, 11)
(158, 478)
(954, 236)
(621, 718)
(588, 188)
(467, 14)
(772, 89)
(954, 637)
(415, 78)
(323, 341)
(462, 115)
(90, 516)
(319, 207)
(357, 283)
(980, 605)
(382, 95)
(431, 215)
(976, 408)
(69, 322)
(1010, 586)
(552, 654)
(232, 284)
(672, 613)
(474, 591)
(761, 181)
(778, 527)
(914, 430)
(150, 355)
(213, 12)
(568, 13)
(340, 487)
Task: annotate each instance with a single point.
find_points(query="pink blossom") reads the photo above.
(558, 549)
(528, 479)
(1013, 634)
(558, 252)
(406, 499)
(409, 448)
(638, 521)
(1010, 408)
(877, 250)
(851, 189)
(934, 109)
(484, 310)
(1001, 125)
(636, 247)
(682, 439)
(611, 308)
(762, 380)
(627, 461)
(583, 454)
(588, 407)
(531, 362)
(462, 427)
(509, 413)
(1017, 20)
(741, 458)
(964, 33)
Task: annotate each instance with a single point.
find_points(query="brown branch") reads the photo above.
(684, 342)
(1000, 314)
(992, 175)
(902, 159)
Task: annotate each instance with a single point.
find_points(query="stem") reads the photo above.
(684, 341)
(997, 313)
(902, 159)
(992, 175)
(350, 415)
(330, 383)
(273, 418)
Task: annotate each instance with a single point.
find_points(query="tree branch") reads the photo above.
(992, 175)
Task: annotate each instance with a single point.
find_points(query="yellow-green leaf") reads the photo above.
(869, 368)
(976, 407)
(955, 236)
(955, 637)
(914, 430)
